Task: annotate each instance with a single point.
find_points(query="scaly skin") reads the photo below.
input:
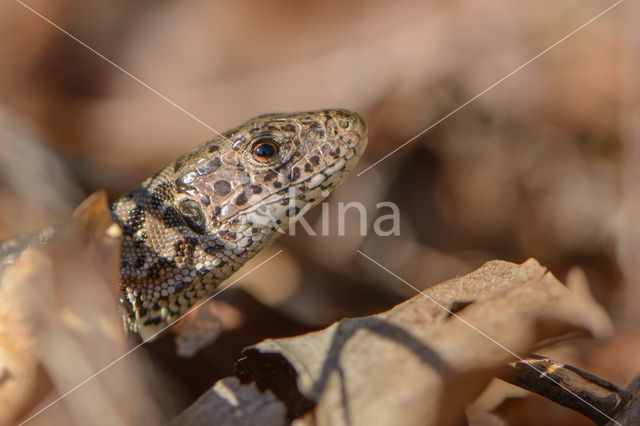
(195, 222)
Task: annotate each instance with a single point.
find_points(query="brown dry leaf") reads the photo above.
(202, 327)
(417, 364)
(481, 411)
(230, 403)
(20, 375)
(61, 321)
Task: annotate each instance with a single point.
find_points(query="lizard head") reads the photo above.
(268, 170)
(195, 222)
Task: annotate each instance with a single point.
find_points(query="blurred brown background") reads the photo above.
(543, 165)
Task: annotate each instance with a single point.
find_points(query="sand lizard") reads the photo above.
(196, 221)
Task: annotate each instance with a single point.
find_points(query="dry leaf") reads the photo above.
(229, 403)
(417, 364)
(64, 317)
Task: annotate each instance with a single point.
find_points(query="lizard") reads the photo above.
(191, 225)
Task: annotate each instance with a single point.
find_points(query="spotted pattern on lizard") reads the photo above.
(195, 222)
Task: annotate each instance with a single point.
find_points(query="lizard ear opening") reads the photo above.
(193, 216)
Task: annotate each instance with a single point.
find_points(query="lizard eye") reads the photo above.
(193, 216)
(265, 149)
